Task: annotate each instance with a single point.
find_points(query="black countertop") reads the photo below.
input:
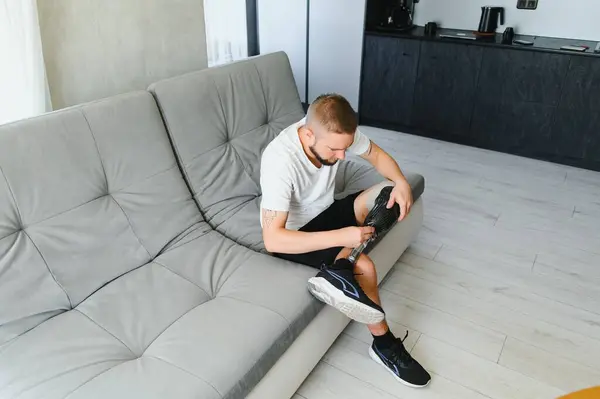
(540, 43)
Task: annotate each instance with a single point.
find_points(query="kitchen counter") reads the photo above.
(534, 101)
(540, 43)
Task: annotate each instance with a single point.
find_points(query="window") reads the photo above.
(226, 30)
(23, 87)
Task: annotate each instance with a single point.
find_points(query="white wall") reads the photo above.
(95, 49)
(282, 27)
(577, 19)
(335, 49)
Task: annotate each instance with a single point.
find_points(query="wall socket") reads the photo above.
(527, 4)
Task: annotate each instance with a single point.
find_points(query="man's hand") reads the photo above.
(402, 195)
(388, 168)
(352, 237)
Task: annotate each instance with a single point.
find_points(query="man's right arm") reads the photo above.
(279, 239)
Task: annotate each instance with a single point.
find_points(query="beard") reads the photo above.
(321, 159)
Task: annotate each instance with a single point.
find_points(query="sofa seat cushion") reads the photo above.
(353, 176)
(207, 318)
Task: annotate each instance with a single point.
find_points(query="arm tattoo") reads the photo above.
(268, 217)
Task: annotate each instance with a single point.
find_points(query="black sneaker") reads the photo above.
(336, 286)
(400, 364)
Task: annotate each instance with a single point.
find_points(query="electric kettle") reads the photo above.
(489, 19)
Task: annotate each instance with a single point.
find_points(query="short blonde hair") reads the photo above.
(333, 112)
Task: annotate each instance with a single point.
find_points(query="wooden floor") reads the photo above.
(501, 290)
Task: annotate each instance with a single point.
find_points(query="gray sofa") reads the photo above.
(131, 257)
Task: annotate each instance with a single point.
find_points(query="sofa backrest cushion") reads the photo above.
(220, 121)
(86, 195)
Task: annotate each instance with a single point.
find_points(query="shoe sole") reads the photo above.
(326, 292)
(380, 362)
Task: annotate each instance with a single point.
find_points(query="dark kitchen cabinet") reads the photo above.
(570, 133)
(582, 84)
(388, 79)
(592, 150)
(532, 103)
(517, 95)
(576, 128)
(521, 76)
(517, 127)
(445, 88)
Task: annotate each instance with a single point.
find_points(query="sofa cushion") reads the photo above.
(220, 120)
(207, 318)
(87, 194)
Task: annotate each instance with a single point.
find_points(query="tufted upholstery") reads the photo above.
(111, 283)
(86, 195)
(220, 121)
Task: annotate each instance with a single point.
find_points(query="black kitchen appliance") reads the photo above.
(390, 15)
(431, 29)
(508, 36)
(489, 20)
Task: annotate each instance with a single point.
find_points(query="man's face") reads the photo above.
(329, 147)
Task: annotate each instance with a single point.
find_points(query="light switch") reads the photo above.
(527, 4)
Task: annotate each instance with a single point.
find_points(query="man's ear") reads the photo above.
(309, 133)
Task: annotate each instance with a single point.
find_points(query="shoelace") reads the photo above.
(399, 354)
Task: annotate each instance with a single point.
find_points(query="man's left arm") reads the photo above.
(388, 168)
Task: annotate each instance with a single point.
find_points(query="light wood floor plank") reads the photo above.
(547, 367)
(515, 297)
(507, 269)
(498, 318)
(479, 374)
(445, 326)
(329, 382)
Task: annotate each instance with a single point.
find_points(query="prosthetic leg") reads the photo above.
(381, 218)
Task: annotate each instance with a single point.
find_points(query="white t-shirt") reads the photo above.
(291, 183)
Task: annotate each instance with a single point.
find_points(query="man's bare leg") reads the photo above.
(366, 276)
(364, 267)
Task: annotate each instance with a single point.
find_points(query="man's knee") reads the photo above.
(365, 265)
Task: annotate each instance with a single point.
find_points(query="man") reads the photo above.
(303, 223)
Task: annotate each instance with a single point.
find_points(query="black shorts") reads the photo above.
(340, 214)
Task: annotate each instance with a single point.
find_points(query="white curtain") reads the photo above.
(23, 85)
(226, 30)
